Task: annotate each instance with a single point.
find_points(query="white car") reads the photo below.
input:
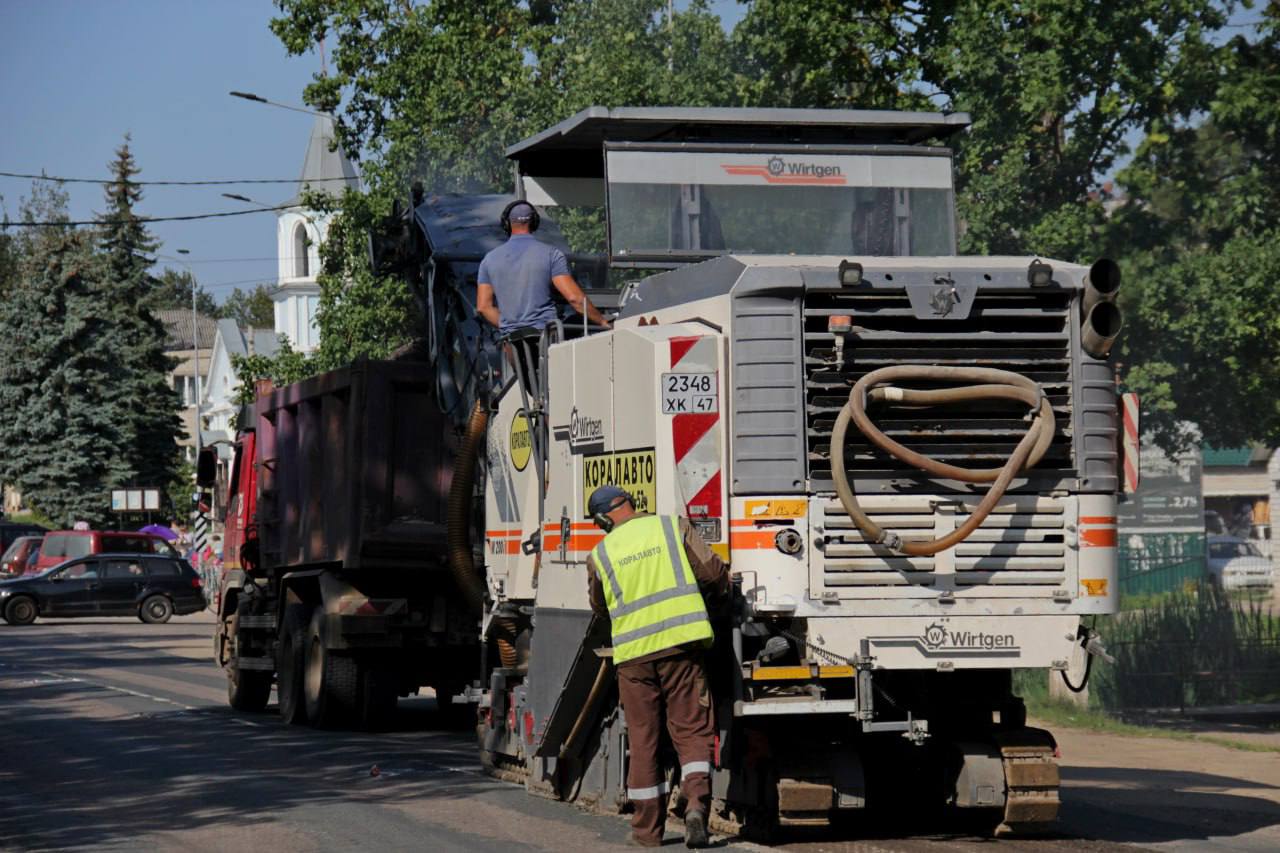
(1236, 563)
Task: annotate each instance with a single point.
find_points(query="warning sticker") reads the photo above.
(520, 443)
(771, 509)
(633, 470)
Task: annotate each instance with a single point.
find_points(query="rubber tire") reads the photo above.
(21, 610)
(330, 682)
(247, 689)
(290, 664)
(377, 701)
(155, 610)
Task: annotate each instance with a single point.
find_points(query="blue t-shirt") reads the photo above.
(520, 272)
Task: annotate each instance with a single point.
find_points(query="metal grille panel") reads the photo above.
(1024, 546)
(1025, 331)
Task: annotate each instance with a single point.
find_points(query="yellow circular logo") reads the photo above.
(521, 443)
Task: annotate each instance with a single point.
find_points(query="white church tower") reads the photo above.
(299, 234)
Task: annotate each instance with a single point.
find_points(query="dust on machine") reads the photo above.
(904, 461)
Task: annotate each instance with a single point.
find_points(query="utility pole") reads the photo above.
(195, 343)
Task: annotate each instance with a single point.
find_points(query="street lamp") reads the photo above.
(249, 96)
(195, 342)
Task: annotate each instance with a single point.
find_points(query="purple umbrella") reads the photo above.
(160, 530)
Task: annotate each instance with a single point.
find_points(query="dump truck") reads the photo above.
(907, 457)
(337, 587)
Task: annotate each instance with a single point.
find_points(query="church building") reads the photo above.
(300, 232)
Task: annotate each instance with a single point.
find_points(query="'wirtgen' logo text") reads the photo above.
(782, 171)
(938, 638)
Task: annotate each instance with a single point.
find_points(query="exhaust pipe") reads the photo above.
(1102, 319)
(1100, 329)
(1101, 284)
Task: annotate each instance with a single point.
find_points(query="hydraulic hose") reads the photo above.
(992, 385)
(458, 516)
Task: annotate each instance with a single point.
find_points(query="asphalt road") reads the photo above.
(116, 735)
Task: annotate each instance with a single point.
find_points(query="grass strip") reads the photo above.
(1070, 716)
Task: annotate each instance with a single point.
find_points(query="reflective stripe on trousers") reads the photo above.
(650, 793)
(688, 769)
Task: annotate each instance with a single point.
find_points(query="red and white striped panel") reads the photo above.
(1132, 425)
(695, 436)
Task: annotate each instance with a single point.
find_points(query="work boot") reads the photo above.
(695, 829)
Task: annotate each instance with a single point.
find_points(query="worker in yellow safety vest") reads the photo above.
(649, 577)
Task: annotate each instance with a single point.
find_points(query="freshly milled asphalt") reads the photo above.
(116, 735)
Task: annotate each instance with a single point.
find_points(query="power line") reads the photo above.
(188, 218)
(62, 180)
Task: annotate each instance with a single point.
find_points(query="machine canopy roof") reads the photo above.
(465, 227)
(572, 148)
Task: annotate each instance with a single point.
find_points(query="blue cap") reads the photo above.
(522, 212)
(605, 499)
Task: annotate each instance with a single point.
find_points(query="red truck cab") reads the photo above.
(240, 533)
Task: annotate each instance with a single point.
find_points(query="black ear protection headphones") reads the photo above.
(602, 519)
(506, 217)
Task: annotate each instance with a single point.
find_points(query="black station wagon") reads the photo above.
(150, 586)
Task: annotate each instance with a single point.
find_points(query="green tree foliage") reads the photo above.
(1199, 234)
(143, 405)
(1054, 89)
(1058, 91)
(61, 431)
(173, 290)
(251, 309)
(361, 315)
(829, 54)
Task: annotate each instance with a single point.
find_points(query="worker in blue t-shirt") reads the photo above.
(513, 288)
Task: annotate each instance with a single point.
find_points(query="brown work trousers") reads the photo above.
(678, 686)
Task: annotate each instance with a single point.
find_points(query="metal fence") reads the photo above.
(1191, 648)
(1140, 578)
(1155, 564)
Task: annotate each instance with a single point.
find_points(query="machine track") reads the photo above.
(1031, 781)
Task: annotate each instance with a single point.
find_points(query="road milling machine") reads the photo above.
(908, 459)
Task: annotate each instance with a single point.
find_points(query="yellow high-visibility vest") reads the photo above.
(649, 587)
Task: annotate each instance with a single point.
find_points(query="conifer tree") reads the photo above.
(141, 399)
(61, 438)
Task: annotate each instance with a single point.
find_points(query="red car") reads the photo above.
(14, 560)
(62, 545)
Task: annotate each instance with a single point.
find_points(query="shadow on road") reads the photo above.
(1139, 805)
(72, 781)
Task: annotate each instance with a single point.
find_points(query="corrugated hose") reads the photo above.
(991, 384)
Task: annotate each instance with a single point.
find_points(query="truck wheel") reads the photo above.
(20, 611)
(377, 706)
(331, 682)
(289, 664)
(248, 689)
(155, 610)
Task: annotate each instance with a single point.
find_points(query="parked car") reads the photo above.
(16, 557)
(149, 586)
(11, 530)
(1236, 563)
(62, 545)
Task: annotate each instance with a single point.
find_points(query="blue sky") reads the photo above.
(75, 76)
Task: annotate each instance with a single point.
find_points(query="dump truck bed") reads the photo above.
(355, 468)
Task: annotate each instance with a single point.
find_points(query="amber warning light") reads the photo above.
(840, 324)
